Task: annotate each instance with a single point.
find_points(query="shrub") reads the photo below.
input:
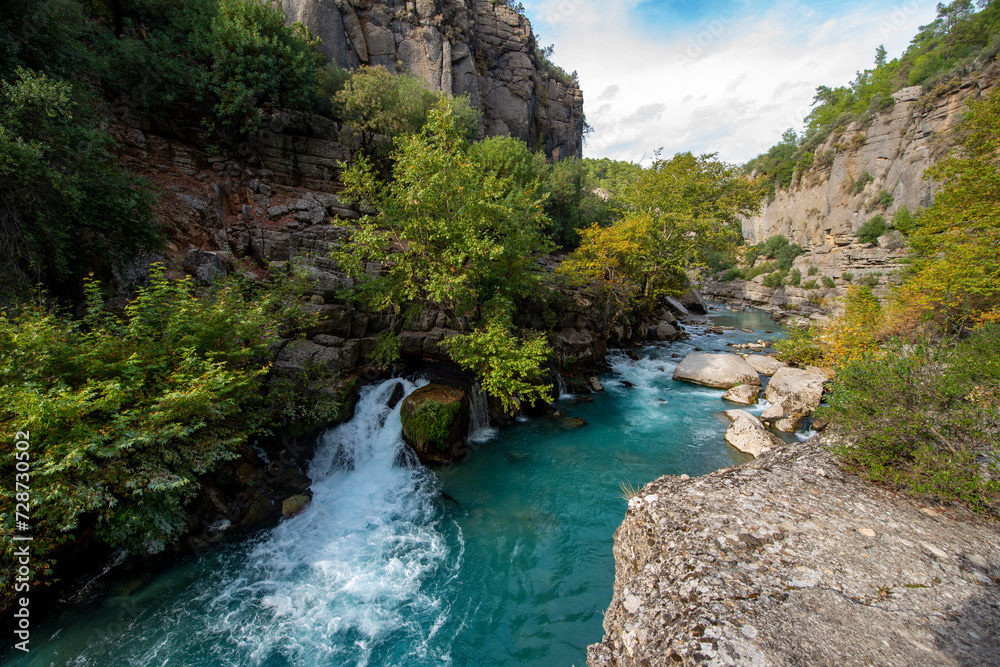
(903, 220)
(812, 284)
(848, 277)
(127, 413)
(795, 278)
(871, 230)
(825, 159)
(801, 347)
(731, 275)
(774, 280)
(829, 282)
(869, 280)
(858, 185)
(813, 270)
(882, 200)
(924, 418)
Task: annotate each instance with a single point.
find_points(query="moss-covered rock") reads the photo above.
(435, 422)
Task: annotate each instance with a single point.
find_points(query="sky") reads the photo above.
(715, 76)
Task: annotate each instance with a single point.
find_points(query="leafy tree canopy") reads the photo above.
(457, 226)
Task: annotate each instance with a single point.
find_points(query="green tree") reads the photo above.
(678, 212)
(259, 61)
(379, 107)
(65, 206)
(456, 227)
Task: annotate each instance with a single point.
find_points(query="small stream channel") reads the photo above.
(503, 560)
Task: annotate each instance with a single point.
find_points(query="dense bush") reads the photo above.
(379, 107)
(572, 204)
(127, 412)
(871, 230)
(829, 282)
(65, 206)
(925, 418)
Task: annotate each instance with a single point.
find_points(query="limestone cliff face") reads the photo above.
(895, 150)
(462, 47)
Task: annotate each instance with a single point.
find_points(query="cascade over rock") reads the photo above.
(478, 48)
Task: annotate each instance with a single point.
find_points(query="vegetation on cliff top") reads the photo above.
(960, 40)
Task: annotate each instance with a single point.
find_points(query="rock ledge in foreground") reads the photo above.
(787, 560)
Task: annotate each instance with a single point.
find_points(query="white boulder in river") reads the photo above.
(722, 371)
(748, 434)
(797, 391)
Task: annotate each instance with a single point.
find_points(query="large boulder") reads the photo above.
(722, 371)
(788, 560)
(667, 331)
(797, 391)
(435, 422)
(764, 364)
(748, 434)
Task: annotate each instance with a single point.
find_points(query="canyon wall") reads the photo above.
(869, 169)
(822, 208)
(476, 48)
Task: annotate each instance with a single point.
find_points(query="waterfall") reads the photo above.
(479, 416)
(360, 577)
(560, 386)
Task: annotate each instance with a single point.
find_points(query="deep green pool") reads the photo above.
(510, 565)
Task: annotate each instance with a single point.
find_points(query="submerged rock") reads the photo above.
(787, 560)
(722, 371)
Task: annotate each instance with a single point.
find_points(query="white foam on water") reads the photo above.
(359, 578)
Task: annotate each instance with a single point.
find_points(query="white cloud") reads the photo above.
(730, 84)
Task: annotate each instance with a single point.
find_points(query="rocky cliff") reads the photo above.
(862, 171)
(788, 560)
(823, 209)
(478, 48)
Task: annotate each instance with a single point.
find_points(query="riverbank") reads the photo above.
(788, 560)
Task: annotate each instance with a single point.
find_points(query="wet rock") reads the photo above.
(595, 384)
(435, 422)
(722, 371)
(573, 422)
(294, 505)
(666, 331)
(397, 395)
(743, 393)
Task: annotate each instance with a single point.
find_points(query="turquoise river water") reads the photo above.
(503, 560)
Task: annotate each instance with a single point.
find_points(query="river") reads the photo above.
(505, 559)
